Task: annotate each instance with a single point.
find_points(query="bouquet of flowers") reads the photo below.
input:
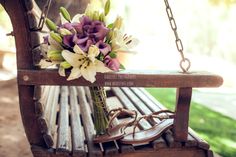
(84, 45)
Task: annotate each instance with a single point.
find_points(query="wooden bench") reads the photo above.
(66, 124)
(57, 113)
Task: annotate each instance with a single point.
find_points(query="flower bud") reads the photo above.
(102, 17)
(56, 37)
(118, 23)
(65, 14)
(55, 56)
(96, 15)
(51, 25)
(64, 32)
(107, 7)
(65, 65)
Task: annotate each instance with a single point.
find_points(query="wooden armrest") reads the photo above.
(168, 79)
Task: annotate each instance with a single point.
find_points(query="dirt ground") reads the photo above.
(13, 142)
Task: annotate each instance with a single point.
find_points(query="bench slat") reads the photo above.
(124, 79)
(63, 129)
(48, 120)
(87, 120)
(44, 119)
(78, 146)
(89, 97)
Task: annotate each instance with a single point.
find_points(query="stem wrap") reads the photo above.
(100, 112)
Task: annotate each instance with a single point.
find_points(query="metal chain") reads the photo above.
(185, 62)
(44, 15)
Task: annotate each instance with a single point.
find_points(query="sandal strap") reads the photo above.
(116, 113)
(159, 114)
(154, 115)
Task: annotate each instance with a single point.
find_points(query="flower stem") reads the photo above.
(99, 109)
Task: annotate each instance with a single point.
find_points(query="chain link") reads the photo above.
(185, 62)
(44, 15)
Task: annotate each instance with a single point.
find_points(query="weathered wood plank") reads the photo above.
(88, 123)
(63, 126)
(89, 97)
(125, 79)
(50, 116)
(40, 105)
(44, 119)
(141, 107)
(183, 99)
(78, 145)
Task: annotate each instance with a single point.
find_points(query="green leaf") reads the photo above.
(110, 26)
(112, 55)
(51, 25)
(65, 14)
(100, 57)
(122, 67)
(107, 7)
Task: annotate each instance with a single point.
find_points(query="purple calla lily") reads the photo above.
(103, 47)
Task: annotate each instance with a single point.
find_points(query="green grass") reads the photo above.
(218, 130)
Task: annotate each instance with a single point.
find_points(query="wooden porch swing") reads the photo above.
(57, 113)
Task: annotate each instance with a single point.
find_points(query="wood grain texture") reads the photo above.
(88, 123)
(125, 79)
(77, 131)
(63, 141)
(18, 17)
(183, 99)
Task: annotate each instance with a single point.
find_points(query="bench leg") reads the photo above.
(183, 99)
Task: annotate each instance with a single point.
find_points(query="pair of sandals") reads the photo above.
(117, 132)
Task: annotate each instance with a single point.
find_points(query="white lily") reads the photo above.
(122, 42)
(84, 64)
